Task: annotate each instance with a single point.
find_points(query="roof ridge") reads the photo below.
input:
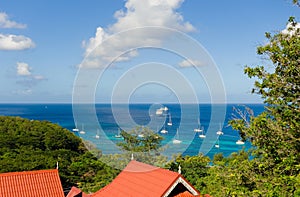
(28, 172)
(136, 167)
(137, 173)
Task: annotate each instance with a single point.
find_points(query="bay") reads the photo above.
(111, 118)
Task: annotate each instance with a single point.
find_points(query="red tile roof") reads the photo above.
(75, 192)
(139, 179)
(31, 184)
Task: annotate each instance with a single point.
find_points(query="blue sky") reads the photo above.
(43, 45)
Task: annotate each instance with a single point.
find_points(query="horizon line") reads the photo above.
(127, 103)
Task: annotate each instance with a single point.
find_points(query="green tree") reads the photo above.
(142, 144)
(276, 132)
(230, 176)
(34, 145)
(141, 139)
(222, 176)
(89, 173)
(296, 2)
(193, 168)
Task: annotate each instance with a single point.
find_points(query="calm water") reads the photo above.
(108, 119)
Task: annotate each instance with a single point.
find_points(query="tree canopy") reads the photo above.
(276, 132)
(272, 167)
(34, 145)
(140, 144)
(141, 139)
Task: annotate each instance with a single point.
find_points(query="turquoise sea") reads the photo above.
(104, 121)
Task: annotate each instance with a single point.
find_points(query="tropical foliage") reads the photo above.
(140, 144)
(272, 168)
(33, 145)
(276, 132)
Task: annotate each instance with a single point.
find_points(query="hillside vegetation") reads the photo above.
(33, 145)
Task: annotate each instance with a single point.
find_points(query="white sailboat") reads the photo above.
(170, 120)
(176, 140)
(199, 128)
(141, 135)
(219, 132)
(217, 145)
(202, 135)
(161, 111)
(97, 135)
(119, 134)
(240, 142)
(82, 130)
(164, 131)
(75, 130)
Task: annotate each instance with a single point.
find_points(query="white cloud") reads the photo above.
(141, 13)
(23, 69)
(137, 14)
(28, 79)
(38, 77)
(6, 23)
(15, 42)
(10, 41)
(94, 41)
(23, 92)
(189, 63)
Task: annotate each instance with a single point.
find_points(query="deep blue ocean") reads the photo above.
(185, 118)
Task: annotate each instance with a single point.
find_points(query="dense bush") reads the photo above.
(33, 145)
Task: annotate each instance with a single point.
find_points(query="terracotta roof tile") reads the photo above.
(75, 192)
(139, 179)
(31, 183)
